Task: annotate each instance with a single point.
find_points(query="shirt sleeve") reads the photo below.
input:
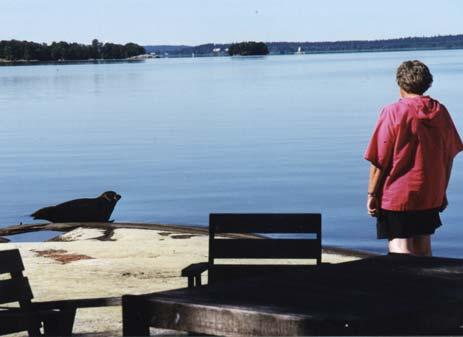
(382, 141)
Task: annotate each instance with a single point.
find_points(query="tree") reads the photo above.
(95, 49)
(24, 50)
(7, 53)
(132, 49)
(248, 48)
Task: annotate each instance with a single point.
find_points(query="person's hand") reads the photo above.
(444, 204)
(372, 205)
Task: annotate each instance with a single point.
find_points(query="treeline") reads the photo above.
(15, 50)
(248, 48)
(435, 42)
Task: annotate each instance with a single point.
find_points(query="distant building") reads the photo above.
(216, 50)
(299, 51)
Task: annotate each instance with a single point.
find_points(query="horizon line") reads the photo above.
(237, 41)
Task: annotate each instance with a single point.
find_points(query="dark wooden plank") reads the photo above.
(329, 311)
(222, 315)
(210, 320)
(317, 303)
(265, 223)
(357, 297)
(232, 272)
(78, 303)
(268, 248)
(10, 261)
(15, 290)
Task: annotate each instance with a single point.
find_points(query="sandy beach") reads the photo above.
(131, 261)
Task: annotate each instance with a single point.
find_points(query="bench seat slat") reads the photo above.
(78, 303)
(266, 223)
(15, 290)
(265, 249)
(10, 261)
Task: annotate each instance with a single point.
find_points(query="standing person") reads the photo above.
(411, 153)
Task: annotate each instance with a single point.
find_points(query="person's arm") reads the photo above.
(374, 185)
(448, 173)
(380, 153)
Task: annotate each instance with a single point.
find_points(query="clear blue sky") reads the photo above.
(202, 21)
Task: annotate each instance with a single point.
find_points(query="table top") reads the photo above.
(377, 289)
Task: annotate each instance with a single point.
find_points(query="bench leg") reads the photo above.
(33, 327)
(68, 318)
(34, 332)
(60, 325)
(134, 317)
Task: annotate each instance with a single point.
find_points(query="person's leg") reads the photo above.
(422, 245)
(401, 246)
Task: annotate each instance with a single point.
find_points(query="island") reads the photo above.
(248, 48)
(27, 51)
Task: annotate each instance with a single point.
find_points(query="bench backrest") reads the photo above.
(14, 288)
(264, 247)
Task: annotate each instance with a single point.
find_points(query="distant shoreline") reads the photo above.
(139, 60)
(354, 51)
(307, 47)
(4, 62)
(347, 51)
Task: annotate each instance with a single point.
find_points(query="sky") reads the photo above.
(193, 22)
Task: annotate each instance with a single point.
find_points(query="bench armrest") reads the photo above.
(193, 272)
(195, 269)
(78, 303)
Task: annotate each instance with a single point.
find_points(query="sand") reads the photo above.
(132, 261)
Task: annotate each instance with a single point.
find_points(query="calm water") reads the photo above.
(180, 138)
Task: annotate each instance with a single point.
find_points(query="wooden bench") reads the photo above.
(233, 236)
(57, 317)
(389, 295)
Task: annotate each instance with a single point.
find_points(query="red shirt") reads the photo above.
(414, 141)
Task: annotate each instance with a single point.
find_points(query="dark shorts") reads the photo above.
(405, 224)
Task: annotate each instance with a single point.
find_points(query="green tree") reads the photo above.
(95, 50)
(16, 50)
(132, 49)
(248, 48)
(7, 53)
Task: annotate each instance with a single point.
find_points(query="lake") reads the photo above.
(181, 138)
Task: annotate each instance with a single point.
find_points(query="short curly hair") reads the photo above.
(414, 77)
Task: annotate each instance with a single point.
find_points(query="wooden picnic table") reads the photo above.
(392, 294)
